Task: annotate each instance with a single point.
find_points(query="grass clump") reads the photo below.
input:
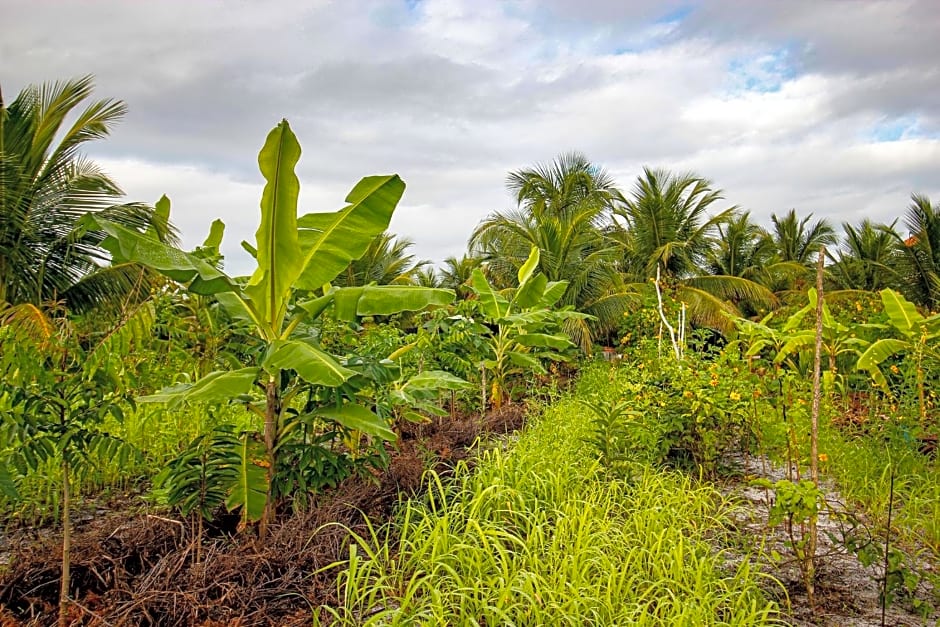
(541, 535)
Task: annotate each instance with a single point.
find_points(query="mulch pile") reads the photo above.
(143, 569)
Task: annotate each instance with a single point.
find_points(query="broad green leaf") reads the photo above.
(880, 351)
(553, 292)
(796, 320)
(532, 318)
(383, 300)
(525, 272)
(901, 312)
(214, 387)
(493, 304)
(358, 418)
(161, 216)
(236, 307)
(316, 306)
(329, 241)
(312, 364)
(250, 490)
(279, 257)
(435, 380)
(128, 245)
(214, 238)
(756, 347)
(525, 360)
(415, 417)
(544, 340)
(797, 342)
(532, 292)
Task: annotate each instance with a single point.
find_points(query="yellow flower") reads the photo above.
(823, 458)
(734, 396)
(713, 382)
(895, 369)
(687, 394)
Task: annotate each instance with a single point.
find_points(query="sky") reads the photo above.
(831, 107)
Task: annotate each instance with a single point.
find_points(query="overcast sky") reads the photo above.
(829, 107)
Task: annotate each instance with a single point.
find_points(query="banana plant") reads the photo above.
(296, 256)
(527, 330)
(919, 335)
(754, 338)
(838, 339)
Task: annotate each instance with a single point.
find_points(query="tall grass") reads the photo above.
(862, 468)
(540, 535)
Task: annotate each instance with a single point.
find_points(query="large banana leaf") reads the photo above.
(544, 340)
(214, 239)
(525, 272)
(358, 418)
(553, 292)
(901, 312)
(312, 364)
(795, 343)
(879, 351)
(161, 217)
(215, 386)
(129, 245)
(279, 257)
(532, 292)
(329, 241)
(525, 360)
(383, 300)
(250, 490)
(434, 380)
(492, 302)
(315, 306)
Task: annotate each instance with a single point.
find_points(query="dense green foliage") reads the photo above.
(130, 365)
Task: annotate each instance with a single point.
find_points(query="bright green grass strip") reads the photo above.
(539, 536)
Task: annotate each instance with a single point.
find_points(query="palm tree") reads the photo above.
(797, 243)
(386, 262)
(456, 274)
(742, 248)
(868, 259)
(666, 226)
(561, 209)
(667, 223)
(921, 251)
(47, 186)
(427, 276)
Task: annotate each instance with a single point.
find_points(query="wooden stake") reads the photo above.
(814, 434)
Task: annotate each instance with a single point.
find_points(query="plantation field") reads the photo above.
(614, 410)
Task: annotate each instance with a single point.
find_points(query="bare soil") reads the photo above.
(847, 592)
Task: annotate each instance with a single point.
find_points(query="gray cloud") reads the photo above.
(780, 104)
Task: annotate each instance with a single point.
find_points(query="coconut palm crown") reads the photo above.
(47, 185)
